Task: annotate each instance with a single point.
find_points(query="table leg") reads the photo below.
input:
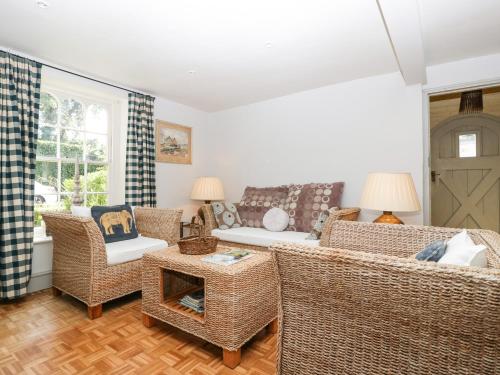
(148, 321)
(231, 359)
(273, 326)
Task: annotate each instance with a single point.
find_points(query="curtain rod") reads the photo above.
(78, 75)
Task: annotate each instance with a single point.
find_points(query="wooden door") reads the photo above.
(465, 172)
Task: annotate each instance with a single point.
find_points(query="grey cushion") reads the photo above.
(432, 252)
(226, 215)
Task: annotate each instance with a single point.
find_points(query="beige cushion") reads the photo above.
(129, 250)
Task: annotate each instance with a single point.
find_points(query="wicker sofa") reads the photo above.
(80, 264)
(366, 306)
(211, 226)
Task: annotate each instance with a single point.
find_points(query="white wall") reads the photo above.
(174, 181)
(335, 133)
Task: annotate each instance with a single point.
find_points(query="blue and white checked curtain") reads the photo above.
(140, 180)
(19, 106)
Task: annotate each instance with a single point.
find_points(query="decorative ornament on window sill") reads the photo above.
(77, 199)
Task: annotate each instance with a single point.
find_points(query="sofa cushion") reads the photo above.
(81, 211)
(115, 222)
(462, 251)
(226, 215)
(129, 250)
(275, 220)
(304, 203)
(262, 237)
(255, 202)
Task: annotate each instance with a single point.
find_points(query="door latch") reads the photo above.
(433, 176)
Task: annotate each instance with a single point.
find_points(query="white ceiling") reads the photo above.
(459, 29)
(151, 45)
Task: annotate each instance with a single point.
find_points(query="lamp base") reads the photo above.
(388, 218)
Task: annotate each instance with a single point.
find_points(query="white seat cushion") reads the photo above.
(262, 237)
(129, 250)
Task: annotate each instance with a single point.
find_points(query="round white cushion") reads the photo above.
(275, 220)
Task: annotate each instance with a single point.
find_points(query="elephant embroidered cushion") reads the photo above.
(115, 222)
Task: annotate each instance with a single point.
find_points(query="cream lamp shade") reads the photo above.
(390, 192)
(207, 189)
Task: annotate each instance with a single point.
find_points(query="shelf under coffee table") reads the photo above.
(240, 300)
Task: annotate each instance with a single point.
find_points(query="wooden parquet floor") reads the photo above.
(42, 334)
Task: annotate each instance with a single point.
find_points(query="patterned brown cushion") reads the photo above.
(226, 215)
(257, 201)
(305, 202)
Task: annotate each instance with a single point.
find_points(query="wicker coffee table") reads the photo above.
(240, 300)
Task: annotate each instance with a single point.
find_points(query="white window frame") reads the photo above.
(86, 99)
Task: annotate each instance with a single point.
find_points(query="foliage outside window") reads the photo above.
(71, 129)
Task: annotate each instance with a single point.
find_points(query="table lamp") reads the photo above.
(388, 192)
(207, 189)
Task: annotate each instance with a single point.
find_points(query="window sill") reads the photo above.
(39, 240)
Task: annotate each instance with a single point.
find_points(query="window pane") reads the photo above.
(71, 144)
(72, 114)
(68, 176)
(96, 200)
(97, 178)
(97, 147)
(48, 109)
(45, 181)
(467, 145)
(47, 141)
(52, 204)
(97, 119)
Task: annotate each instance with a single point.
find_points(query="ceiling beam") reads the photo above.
(402, 23)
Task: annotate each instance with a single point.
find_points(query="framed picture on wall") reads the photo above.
(173, 143)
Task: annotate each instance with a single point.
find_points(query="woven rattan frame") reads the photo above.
(79, 265)
(240, 300)
(368, 307)
(349, 214)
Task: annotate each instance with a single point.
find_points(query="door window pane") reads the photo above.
(467, 145)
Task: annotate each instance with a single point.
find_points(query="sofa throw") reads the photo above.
(226, 215)
(304, 203)
(115, 222)
(255, 202)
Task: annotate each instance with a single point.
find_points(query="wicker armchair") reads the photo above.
(366, 306)
(207, 216)
(79, 266)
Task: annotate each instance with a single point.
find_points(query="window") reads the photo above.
(71, 129)
(467, 145)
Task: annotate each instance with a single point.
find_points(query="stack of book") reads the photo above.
(194, 301)
(228, 258)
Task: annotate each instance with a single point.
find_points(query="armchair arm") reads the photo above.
(78, 253)
(346, 214)
(161, 223)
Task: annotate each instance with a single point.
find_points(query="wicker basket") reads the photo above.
(198, 244)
